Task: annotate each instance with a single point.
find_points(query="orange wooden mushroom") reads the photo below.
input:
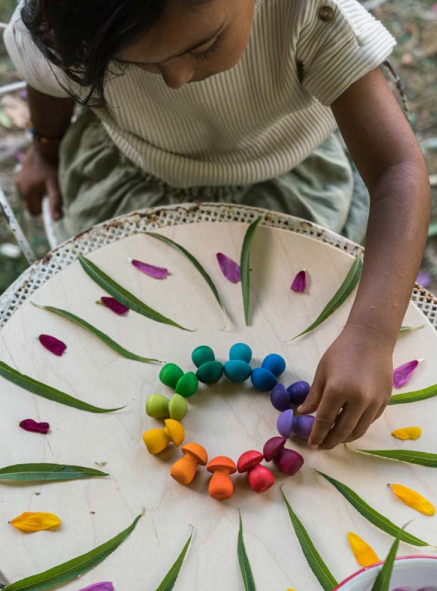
(184, 470)
(221, 486)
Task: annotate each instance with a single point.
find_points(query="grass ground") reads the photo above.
(412, 22)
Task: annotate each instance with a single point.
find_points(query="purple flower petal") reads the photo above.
(106, 586)
(113, 305)
(34, 427)
(150, 270)
(230, 269)
(52, 344)
(403, 373)
(299, 284)
(424, 279)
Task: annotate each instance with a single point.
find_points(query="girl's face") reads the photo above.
(194, 40)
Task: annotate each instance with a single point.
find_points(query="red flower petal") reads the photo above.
(230, 269)
(114, 305)
(53, 344)
(150, 270)
(403, 373)
(299, 284)
(34, 427)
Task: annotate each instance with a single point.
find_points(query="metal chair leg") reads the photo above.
(16, 230)
(48, 224)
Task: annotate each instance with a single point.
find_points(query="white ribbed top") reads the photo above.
(254, 122)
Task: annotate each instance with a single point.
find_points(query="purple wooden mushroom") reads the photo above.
(302, 426)
(285, 423)
(280, 398)
(298, 392)
(272, 448)
(289, 461)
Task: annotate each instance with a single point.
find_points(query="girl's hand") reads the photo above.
(39, 176)
(352, 387)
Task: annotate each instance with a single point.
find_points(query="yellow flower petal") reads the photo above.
(413, 499)
(31, 522)
(364, 554)
(408, 433)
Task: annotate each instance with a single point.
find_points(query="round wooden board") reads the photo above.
(227, 419)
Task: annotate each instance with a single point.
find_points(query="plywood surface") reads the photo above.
(227, 419)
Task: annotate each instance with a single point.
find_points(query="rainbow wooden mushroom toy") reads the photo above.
(156, 440)
(221, 486)
(282, 398)
(209, 371)
(237, 369)
(160, 407)
(288, 460)
(260, 478)
(184, 470)
(301, 426)
(265, 378)
(185, 384)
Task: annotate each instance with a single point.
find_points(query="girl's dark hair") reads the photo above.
(82, 37)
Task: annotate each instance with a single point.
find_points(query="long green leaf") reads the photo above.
(406, 329)
(419, 458)
(246, 571)
(245, 267)
(415, 396)
(382, 582)
(432, 230)
(73, 568)
(315, 561)
(194, 262)
(371, 514)
(40, 389)
(347, 287)
(122, 295)
(47, 472)
(171, 577)
(98, 333)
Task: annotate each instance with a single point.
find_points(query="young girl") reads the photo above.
(236, 100)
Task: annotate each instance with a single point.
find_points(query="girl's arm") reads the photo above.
(355, 376)
(50, 118)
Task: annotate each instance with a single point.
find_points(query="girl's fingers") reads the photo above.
(55, 200)
(363, 425)
(345, 425)
(312, 402)
(327, 414)
(380, 412)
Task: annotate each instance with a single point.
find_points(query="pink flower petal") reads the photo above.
(99, 587)
(52, 344)
(34, 427)
(299, 284)
(230, 269)
(403, 373)
(150, 270)
(113, 305)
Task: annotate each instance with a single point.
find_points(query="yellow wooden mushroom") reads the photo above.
(156, 440)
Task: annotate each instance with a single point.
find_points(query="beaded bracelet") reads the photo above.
(237, 369)
(42, 139)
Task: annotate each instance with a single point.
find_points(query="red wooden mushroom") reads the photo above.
(260, 478)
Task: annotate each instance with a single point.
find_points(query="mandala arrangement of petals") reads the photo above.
(109, 454)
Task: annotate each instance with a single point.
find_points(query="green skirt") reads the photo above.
(99, 183)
